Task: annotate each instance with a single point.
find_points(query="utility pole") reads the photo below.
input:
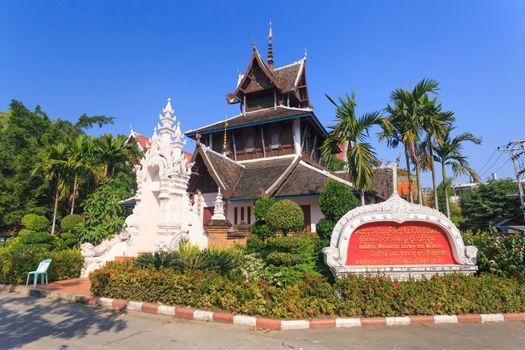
(517, 149)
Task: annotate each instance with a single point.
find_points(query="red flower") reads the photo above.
(310, 312)
(405, 303)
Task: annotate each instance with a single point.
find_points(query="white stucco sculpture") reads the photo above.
(163, 213)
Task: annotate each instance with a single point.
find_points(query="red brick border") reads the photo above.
(469, 318)
(222, 317)
(373, 321)
(184, 313)
(150, 308)
(421, 319)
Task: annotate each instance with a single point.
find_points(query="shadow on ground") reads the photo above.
(24, 320)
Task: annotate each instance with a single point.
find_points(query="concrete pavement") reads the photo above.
(31, 323)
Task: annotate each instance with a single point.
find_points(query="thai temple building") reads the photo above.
(270, 148)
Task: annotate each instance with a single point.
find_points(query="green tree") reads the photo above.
(448, 152)
(488, 204)
(353, 131)
(285, 216)
(80, 164)
(52, 164)
(408, 113)
(112, 152)
(103, 214)
(434, 128)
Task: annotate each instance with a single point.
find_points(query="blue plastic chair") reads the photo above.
(42, 271)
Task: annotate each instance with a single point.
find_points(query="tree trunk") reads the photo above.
(74, 195)
(363, 203)
(409, 176)
(418, 182)
(434, 182)
(55, 209)
(445, 189)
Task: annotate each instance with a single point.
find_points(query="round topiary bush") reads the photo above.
(261, 207)
(283, 259)
(285, 216)
(336, 200)
(35, 222)
(69, 222)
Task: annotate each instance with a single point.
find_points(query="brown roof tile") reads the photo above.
(260, 116)
(259, 175)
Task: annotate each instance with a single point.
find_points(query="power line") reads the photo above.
(487, 162)
(487, 171)
(502, 165)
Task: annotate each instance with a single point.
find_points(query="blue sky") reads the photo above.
(124, 58)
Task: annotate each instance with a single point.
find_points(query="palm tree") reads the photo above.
(112, 152)
(411, 109)
(352, 131)
(434, 128)
(447, 152)
(393, 129)
(53, 165)
(79, 164)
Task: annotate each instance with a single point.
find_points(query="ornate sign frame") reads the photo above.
(396, 209)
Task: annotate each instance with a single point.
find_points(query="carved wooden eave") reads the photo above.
(248, 77)
(226, 190)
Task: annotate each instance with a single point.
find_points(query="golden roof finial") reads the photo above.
(269, 59)
(225, 143)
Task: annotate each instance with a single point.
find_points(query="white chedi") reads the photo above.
(163, 214)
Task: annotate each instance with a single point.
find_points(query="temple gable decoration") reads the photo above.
(399, 239)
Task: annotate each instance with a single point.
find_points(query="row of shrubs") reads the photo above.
(14, 266)
(311, 296)
(34, 244)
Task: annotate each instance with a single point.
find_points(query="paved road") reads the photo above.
(30, 323)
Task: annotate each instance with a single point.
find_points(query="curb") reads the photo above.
(260, 322)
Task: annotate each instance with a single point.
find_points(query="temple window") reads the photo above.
(275, 137)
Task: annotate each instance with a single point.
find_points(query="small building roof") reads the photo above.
(258, 117)
(288, 175)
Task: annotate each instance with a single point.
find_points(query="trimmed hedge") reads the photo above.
(14, 267)
(70, 222)
(285, 216)
(35, 222)
(312, 297)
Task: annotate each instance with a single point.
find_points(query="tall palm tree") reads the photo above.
(434, 128)
(112, 152)
(412, 108)
(80, 164)
(447, 152)
(354, 132)
(393, 129)
(53, 165)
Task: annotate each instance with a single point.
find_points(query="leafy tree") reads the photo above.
(285, 216)
(448, 153)
(80, 164)
(113, 152)
(335, 200)
(353, 131)
(21, 138)
(408, 113)
(52, 164)
(103, 215)
(489, 203)
(434, 128)
(87, 122)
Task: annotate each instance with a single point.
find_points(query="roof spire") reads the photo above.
(270, 48)
(253, 45)
(305, 53)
